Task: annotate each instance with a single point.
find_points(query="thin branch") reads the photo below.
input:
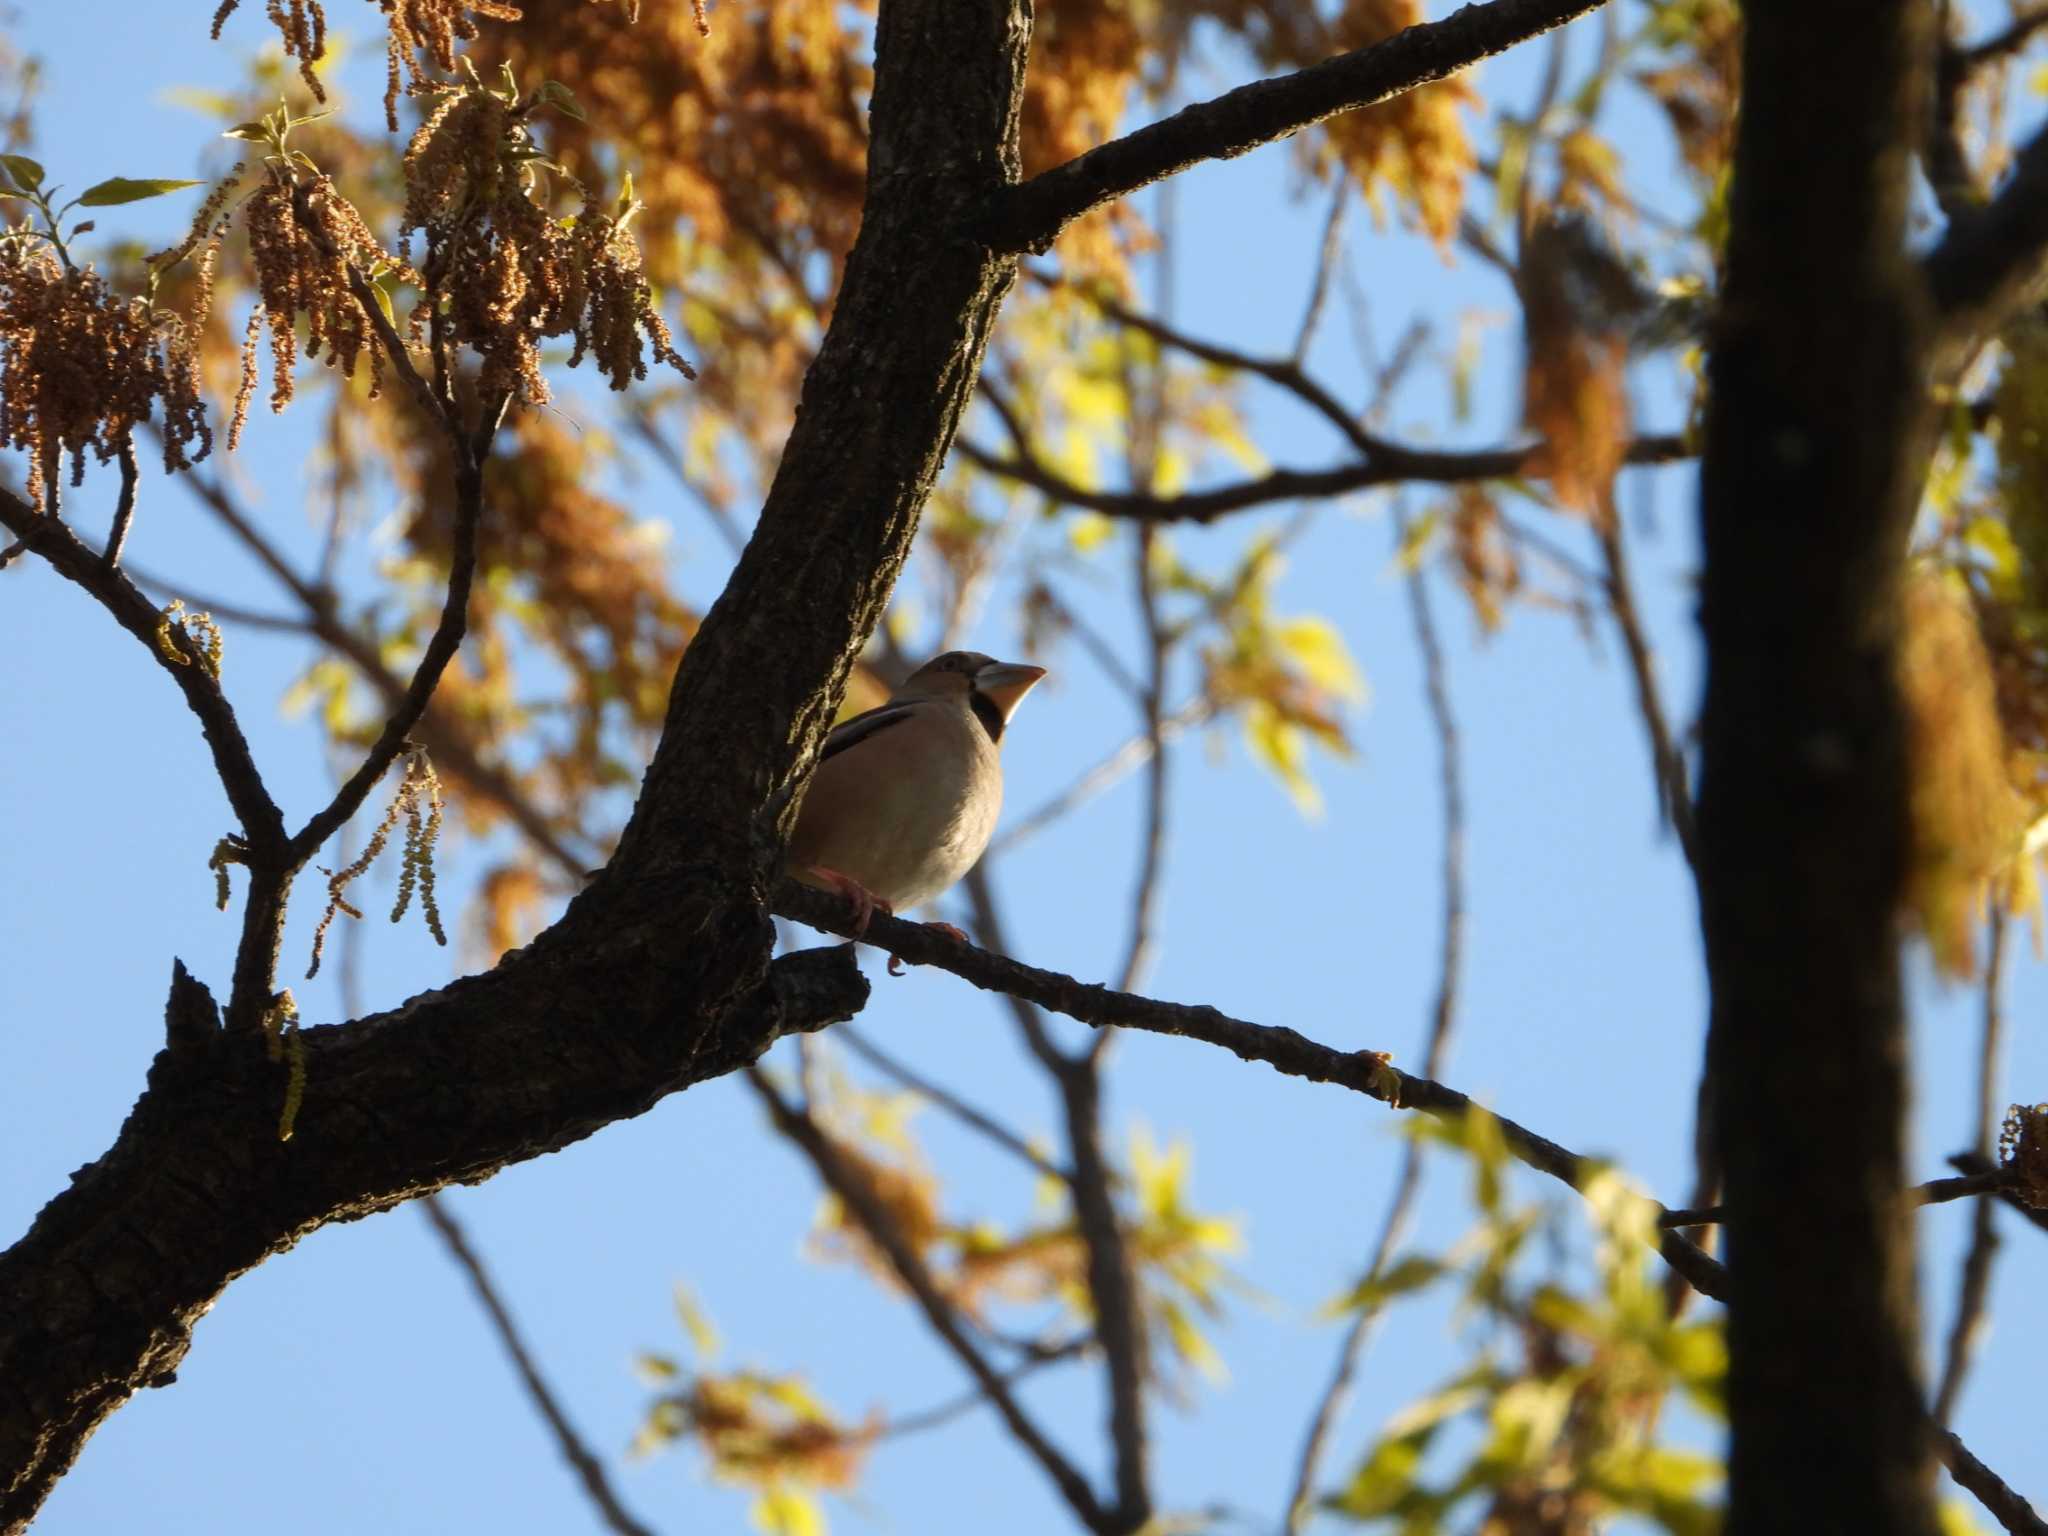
(12, 553)
(958, 1407)
(665, 454)
(1285, 1050)
(1674, 793)
(1975, 1286)
(1152, 850)
(951, 1103)
(2005, 1506)
(452, 749)
(1975, 1165)
(2003, 44)
(1031, 214)
(440, 650)
(589, 1469)
(859, 1199)
(1326, 264)
(262, 821)
(124, 507)
(1112, 1288)
(1113, 768)
(1436, 1044)
(1442, 468)
(1994, 1181)
(1363, 1072)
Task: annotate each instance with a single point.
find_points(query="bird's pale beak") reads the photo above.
(1006, 682)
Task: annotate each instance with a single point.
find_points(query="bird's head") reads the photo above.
(992, 688)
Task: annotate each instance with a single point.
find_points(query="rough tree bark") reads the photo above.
(658, 976)
(1817, 438)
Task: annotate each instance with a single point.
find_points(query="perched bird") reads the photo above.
(906, 795)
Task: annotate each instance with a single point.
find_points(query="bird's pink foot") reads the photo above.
(865, 902)
(896, 961)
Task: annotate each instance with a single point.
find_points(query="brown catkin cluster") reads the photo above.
(81, 367)
(303, 26)
(514, 276)
(433, 28)
(414, 28)
(303, 237)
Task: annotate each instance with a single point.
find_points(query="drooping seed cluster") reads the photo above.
(414, 28)
(304, 238)
(418, 800)
(512, 274)
(81, 367)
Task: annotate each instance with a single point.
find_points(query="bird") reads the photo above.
(905, 796)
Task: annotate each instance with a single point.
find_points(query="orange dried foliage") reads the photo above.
(1966, 818)
(1488, 570)
(1575, 306)
(1416, 143)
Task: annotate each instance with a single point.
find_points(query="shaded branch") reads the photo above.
(951, 1103)
(262, 821)
(859, 1198)
(440, 649)
(588, 1468)
(1030, 215)
(1390, 468)
(1674, 792)
(1975, 1285)
(2005, 1506)
(1992, 262)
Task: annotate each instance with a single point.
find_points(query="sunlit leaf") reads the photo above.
(116, 190)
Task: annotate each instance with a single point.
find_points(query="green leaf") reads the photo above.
(1409, 1274)
(25, 173)
(127, 189)
(561, 98)
(786, 1512)
(255, 133)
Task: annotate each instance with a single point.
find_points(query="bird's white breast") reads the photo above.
(907, 811)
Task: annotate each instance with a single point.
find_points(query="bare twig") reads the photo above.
(124, 507)
(262, 821)
(452, 748)
(472, 451)
(1449, 467)
(855, 1194)
(1030, 215)
(1326, 263)
(665, 454)
(1436, 1043)
(1674, 795)
(1994, 1181)
(2005, 1506)
(1114, 767)
(1152, 850)
(1990, 263)
(589, 1469)
(951, 1103)
(957, 1407)
(12, 553)
(1975, 1286)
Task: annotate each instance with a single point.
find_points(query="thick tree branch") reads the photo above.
(659, 974)
(1030, 216)
(100, 1297)
(1817, 438)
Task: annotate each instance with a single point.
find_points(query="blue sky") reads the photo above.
(352, 1383)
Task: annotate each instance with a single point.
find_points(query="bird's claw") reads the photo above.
(865, 902)
(956, 934)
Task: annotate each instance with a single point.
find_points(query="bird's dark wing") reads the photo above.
(849, 732)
